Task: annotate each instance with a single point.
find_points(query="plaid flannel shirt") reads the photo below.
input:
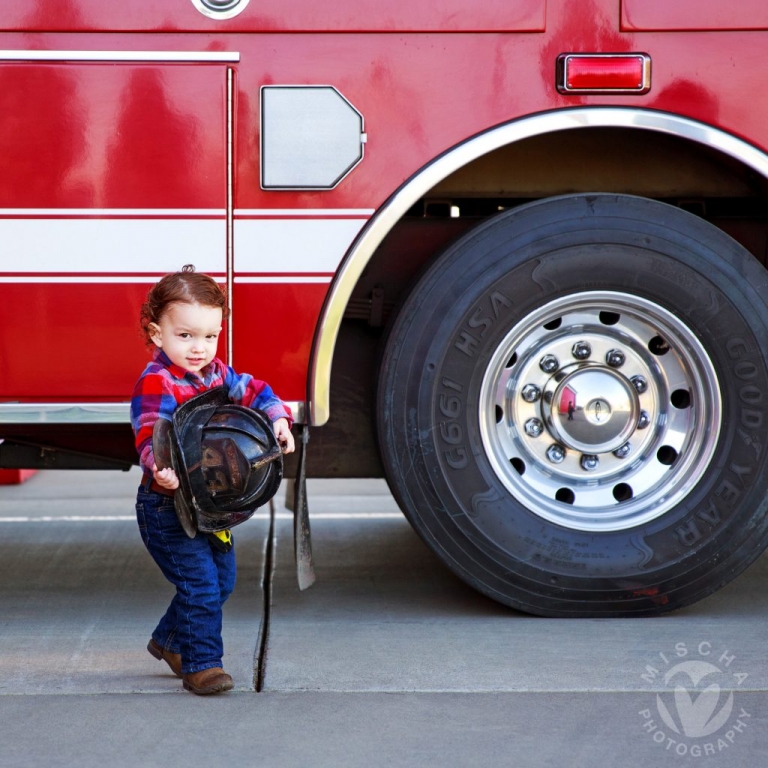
(163, 387)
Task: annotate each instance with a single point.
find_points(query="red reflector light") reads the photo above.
(604, 73)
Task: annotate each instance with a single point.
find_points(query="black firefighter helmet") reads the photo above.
(226, 457)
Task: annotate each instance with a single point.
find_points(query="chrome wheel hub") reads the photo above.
(600, 411)
(593, 409)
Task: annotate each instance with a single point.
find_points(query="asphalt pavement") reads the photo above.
(387, 660)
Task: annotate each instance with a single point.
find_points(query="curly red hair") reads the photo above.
(185, 286)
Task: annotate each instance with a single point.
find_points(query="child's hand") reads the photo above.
(165, 478)
(283, 435)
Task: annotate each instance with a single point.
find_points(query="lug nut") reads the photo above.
(640, 383)
(623, 452)
(549, 363)
(530, 393)
(615, 358)
(581, 350)
(556, 453)
(643, 420)
(589, 462)
(533, 427)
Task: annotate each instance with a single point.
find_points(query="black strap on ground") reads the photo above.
(302, 539)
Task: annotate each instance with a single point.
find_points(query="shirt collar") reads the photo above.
(176, 370)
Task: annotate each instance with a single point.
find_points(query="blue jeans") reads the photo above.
(203, 576)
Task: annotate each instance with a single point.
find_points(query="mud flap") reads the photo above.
(302, 540)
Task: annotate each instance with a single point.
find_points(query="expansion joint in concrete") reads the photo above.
(267, 579)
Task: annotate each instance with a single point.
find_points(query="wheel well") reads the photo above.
(689, 175)
(664, 167)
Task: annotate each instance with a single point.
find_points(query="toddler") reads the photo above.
(182, 319)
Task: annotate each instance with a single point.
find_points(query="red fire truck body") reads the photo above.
(509, 254)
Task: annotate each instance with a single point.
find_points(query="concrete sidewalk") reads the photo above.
(361, 730)
(387, 660)
(386, 615)
(81, 595)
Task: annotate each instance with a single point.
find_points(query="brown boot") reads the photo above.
(212, 680)
(173, 660)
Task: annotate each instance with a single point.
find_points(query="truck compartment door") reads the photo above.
(112, 175)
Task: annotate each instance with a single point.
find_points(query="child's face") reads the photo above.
(188, 334)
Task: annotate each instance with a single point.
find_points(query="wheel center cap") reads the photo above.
(597, 411)
(592, 409)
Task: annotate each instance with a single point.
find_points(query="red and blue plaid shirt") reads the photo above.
(163, 387)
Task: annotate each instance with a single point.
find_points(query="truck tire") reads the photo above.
(571, 407)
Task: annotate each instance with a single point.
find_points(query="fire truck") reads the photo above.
(509, 255)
